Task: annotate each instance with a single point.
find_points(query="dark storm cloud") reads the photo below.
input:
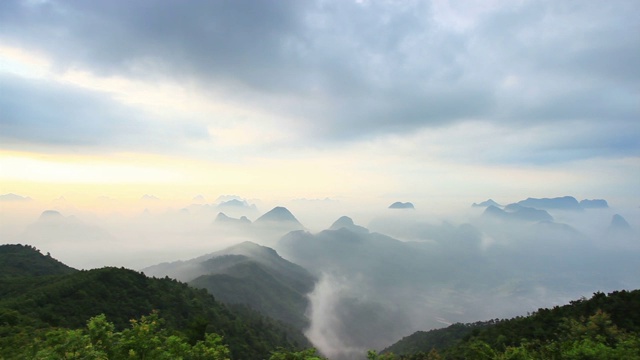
(50, 114)
(345, 70)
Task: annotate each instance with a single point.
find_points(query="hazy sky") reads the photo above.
(392, 100)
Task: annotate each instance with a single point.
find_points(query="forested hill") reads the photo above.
(30, 307)
(24, 260)
(607, 323)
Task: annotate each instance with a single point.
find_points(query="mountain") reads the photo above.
(558, 203)
(278, 218)
(619, 229)
(224, 219)
(401, 205)
(235, 279)
(517, 212)
(546, 328)
(51, 226)
(375, 285)
(278, 214)
(362, 298)
(347, 223)
(14, 197)
(486, 203)
(23, 265)
(237, 207)
(248, 274)
(69, 300)
(619, 223)
(594, 204)
(24, 260)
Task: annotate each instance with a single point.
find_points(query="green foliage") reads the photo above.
(308, 354)
(603, 327)
(425, 341)
(267, 290)
(66, 301)
(145, 339)
(25, 260)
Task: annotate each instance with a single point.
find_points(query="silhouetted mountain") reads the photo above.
(347, 223)
(278, 214)
(594, 204)
(237, 207)
(224, 219)
(517, 212)
(619, 229)
(401, 205)
(559, 203)
(68, 301)
(486, 203)
(618, 222)
(526, 213)
(51, 215)
(279, 218)
(233, 203)
(14, 197)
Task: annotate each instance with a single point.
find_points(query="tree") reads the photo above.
(146, 339)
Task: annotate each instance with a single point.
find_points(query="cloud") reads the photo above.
(50, 113)
(338, 70)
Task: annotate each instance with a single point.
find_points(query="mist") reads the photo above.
(382, 273)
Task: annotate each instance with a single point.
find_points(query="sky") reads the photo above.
(379, 101)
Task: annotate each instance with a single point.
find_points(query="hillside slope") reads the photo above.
(619, 310)
(68, 301)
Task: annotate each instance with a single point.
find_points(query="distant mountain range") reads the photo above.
(486, 203)
(517, 212)
(558, 203)
(14, 198)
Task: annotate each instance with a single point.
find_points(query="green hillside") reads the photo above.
(24, 260)
(249, 274)
(258, 286)
(605, 326)
(69, 300)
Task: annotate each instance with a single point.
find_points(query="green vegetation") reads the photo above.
(32, 306)
(145, 339)
(603, 327)
(258, 286)
(248, 274)
(24, 260)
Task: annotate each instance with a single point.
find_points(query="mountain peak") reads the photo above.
(278, 214)
(51, 215)
(558, 203)
(401, 205)
(619, 222)
(594, 204)
(345, 222)
(486, 203)
(342, 222)
(14, 197)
